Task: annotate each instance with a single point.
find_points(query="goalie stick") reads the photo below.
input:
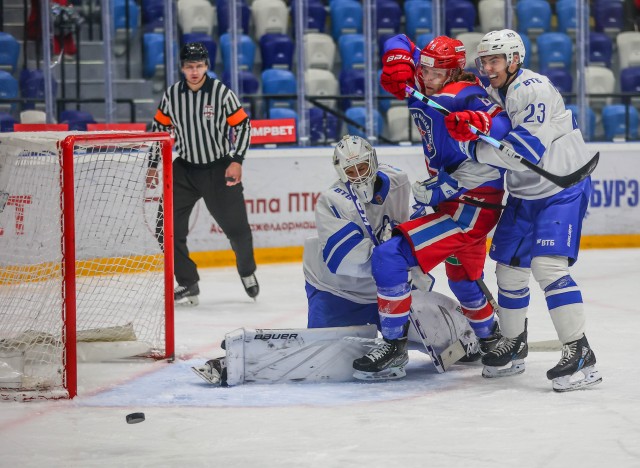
(450, 355)
(561, 181)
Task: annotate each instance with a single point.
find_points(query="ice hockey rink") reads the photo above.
(427, 419)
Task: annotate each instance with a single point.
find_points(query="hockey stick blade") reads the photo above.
(561, 181)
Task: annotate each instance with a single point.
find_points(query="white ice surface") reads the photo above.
(457, 419)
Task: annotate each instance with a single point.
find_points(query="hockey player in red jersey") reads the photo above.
(466, 197)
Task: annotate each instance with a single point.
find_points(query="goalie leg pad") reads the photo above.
(213, 371)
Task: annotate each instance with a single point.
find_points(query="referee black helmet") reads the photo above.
(194, 52)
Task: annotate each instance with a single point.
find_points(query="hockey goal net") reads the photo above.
(86, 253)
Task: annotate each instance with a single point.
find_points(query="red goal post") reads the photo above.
(86, 255)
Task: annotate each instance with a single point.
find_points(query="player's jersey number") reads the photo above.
(536, 113)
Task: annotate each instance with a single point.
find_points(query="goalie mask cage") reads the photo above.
(86, 253)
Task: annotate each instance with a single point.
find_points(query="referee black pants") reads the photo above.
(226, 205)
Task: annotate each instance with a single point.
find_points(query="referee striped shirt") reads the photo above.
(202, 121)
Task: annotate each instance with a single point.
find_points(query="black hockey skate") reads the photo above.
(385, 361)
(488, 343)
(251, 285)
(213, 371)
(186, 295)
(576, 368)
(507, 352)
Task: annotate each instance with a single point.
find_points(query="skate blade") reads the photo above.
(582, 379)
(391, 373)
(517, 367)
(187, 302)
(208, 375)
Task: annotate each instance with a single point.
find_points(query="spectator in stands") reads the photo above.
(203, 112)
(66, 21)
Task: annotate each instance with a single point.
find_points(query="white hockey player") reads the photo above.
(341, 291)
(539, 231)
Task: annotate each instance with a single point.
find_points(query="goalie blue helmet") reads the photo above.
(356, 162)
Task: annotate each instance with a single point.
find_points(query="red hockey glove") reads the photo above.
(397, 69)
(458, 124)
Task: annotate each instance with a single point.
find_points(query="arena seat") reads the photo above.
(76, 120)
(600, 49)
(351, 47)
(269, 16)
(628, 43)
(222, 10)
(560, 77)
(555, 49)
(352, 84)
(32, 86)
(321, 83)
(9, 52)
(630, 81)
(207, 42)
(283, 113)
(491, 15)
(460, 16)
(196, 16)
(8, 90)
(566, 14)
(470, 41)
(324, 126)
(316, 16)
(599, 80)
(591, 120)
(534, 17)
(359, 115)
(614, 121)
(608, 17)
(247, 81)
(400, 126)
(277, 51)
(6, 122)
(246, 55)
(388, 17)
(152, 10)
(423, 39)
(275, 81)
(153, 54)
(346, 18)
(418, 17)
(320, 50)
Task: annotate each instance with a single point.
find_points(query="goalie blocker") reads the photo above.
(327, 354)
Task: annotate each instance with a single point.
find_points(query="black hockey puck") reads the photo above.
(135, 418)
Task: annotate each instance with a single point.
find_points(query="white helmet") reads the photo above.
(350, 152)
(505, 42)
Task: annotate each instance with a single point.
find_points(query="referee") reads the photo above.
(203, 114)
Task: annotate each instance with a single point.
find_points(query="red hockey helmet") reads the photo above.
(442, 52)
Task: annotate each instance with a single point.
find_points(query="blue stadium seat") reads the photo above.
(247, 54)
(460, 16)
(418, 17)
(222, 10)
(608, 16)
(77, 120)
(614, 120)
(316, 16)
(206, 41)
(527, 46)
(9, 52)
(283, 113)
(346, 18)
(6, 122)
(630, 80)
(324, 126)
(276, 81)
(153, 53)
(566, 13)
(560, 77)
(388, 16)
(382, 38)
(555, 49)
(247, 81)
(351, 47)
(152, 10)
(423, 39)
(600, 49)
(534, 17)
(32, 86)
(359, 115)
(277, 51)
(8, 90)
(120, 15)
(591, 118)
(351, 84)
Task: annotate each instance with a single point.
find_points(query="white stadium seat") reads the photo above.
(269, 16)
(470, 41)
(196, 16)
(491, 14)
(320, 50)
(321, 83)
(399, 125)
(628, 49)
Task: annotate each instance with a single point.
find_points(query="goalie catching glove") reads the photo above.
(397, 69)
(434, 191)
(457, 124)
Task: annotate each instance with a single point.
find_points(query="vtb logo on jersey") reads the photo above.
(207, 112)
(425, 127)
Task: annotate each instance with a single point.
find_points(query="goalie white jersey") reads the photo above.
(338, 260)
(544, 132)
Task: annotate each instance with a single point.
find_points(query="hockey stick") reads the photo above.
(437, 360)
(561, 181)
